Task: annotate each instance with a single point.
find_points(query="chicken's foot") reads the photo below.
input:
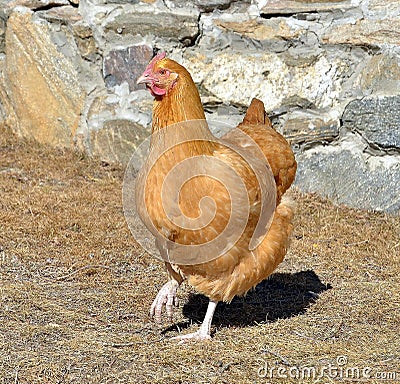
(166, 296)
(204, 332)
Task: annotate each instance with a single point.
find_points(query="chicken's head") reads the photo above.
(158, 76)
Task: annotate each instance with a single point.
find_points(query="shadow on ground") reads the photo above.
(281, 296)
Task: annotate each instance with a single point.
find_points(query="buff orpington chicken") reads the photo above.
(215, 206)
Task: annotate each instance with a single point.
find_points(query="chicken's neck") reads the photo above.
(179, 116)
(180, 104)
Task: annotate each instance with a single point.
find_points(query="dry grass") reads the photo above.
(75, 289)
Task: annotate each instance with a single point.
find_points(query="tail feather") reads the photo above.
(255, 114)
(276, 149)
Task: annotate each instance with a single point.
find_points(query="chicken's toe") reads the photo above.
(166, 296)
(195, 336)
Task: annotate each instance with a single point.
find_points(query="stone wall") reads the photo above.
(327, 71)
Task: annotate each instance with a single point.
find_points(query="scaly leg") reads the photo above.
(204, 332)
(166, 296)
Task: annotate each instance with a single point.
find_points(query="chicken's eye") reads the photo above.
(162, 72)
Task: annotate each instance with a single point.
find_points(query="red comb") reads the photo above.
(158, 57)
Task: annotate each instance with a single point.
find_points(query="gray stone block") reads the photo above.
(345, 174)
(377, 119)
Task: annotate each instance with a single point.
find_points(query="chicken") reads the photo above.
(215, 206)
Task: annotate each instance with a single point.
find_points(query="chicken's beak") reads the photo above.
(144, 79)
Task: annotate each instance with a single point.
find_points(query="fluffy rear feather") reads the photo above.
(221, 281)
(255, 114)
(275, 147)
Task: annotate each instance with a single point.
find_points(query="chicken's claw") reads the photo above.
(195, 336)
(166, 296)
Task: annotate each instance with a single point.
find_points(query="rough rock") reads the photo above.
(44, 98)
(85, 41)
(65, 13)
(260, 29)
(126, 65)
(72, 36)
(238, 77)
(383, 8)
(122, 104)
(294, 6)
(181, 25)
(203, 5)
(381, 75)
(117, 122)
(303, 128)
(2, 33)
(345, 174)
(36, 4)
(365, 32)
(211, 5)
(117, 140)
(377, 119)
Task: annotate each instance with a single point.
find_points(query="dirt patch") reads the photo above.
(75, 290)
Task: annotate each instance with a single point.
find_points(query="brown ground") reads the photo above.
(75, 290)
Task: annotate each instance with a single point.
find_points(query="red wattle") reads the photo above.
(156, 91)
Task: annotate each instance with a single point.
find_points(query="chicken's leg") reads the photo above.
(166, 296)
(204, 332)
